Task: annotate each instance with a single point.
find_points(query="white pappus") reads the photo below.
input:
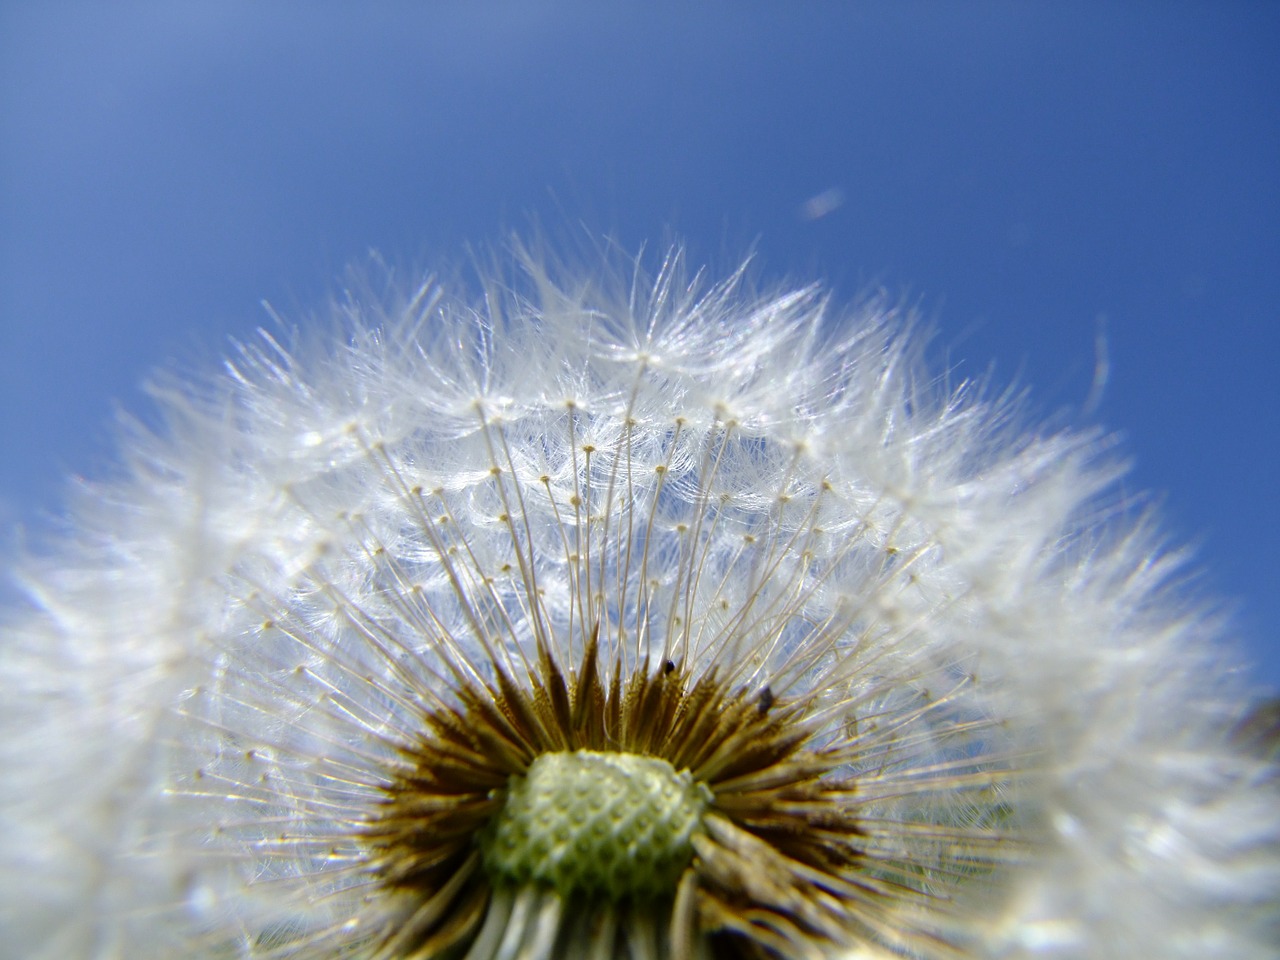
(608, 614)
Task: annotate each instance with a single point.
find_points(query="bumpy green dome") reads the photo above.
(614, 825)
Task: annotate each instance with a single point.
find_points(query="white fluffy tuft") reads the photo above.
(197, 704)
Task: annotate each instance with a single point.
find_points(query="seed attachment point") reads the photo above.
(616, 825)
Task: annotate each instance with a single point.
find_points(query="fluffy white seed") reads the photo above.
(205, 699)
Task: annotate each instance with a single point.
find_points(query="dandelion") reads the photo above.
(643, 619)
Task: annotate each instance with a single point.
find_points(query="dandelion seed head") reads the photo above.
(619, 618)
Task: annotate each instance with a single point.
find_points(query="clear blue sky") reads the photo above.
(1028, 173)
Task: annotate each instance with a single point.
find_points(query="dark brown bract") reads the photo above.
(778, 867)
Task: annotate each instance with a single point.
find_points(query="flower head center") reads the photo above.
(617, 825)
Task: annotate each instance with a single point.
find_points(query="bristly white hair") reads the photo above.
(921, 667)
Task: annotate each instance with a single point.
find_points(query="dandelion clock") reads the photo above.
(610, 614)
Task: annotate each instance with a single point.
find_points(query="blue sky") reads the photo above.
(1029, 175)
